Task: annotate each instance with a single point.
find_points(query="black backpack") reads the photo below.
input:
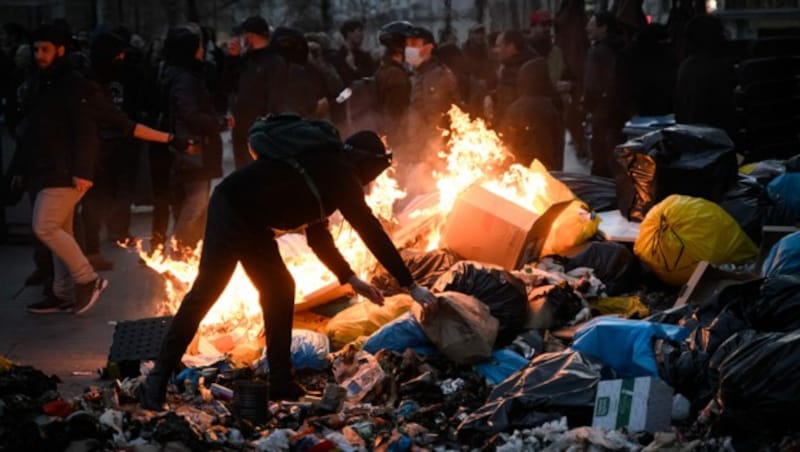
(285, 136)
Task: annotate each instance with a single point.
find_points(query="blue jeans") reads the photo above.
(192, 212)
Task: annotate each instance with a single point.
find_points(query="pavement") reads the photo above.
(75, 348)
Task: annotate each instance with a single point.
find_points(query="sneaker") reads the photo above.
(50, 305)
(100, 263)
(86, 295)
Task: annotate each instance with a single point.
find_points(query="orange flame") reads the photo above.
(474, 154)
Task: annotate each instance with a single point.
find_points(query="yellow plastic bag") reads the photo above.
(364, 318)
(573, 227)
(681, 231)
(630, 307)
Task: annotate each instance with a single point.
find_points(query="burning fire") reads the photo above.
(474, 154)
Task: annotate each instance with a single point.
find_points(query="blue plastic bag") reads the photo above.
(400, 334)
(310, 350)
(784, 190)
(625, 345)
(784, 257)
(501, 365)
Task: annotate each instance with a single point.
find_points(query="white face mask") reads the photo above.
(413, 56)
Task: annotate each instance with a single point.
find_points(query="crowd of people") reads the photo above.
(80, 106)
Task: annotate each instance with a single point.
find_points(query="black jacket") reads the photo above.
(606, 90)
(271, 194)
(191, 113)
(506, 92)
(365, 66)
(58, 135)
(394, 93)
(259, 79)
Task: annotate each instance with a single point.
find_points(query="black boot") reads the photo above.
(152, 393)
(286, 390)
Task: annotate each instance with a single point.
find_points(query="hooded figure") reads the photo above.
(245, 209)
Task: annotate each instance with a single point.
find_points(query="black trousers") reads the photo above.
(239, 137)
(606, 135)
(160, 172)
(229, 240)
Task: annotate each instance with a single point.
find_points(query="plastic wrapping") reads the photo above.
(783, 190)
(365, 318)
(397, 336)
(625, 345)
(681, 231)
(574, 226)
(784, 257)
(310, 350)
(612, 262)
(551, 386)
(425, 268)
(681, 159)
(461, 328)
(759, 384)
(600, 193)
(500, 290)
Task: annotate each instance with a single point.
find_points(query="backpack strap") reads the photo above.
(312, 186)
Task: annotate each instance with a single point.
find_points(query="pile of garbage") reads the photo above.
(589, 346)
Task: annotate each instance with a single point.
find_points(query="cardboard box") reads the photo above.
(635, 404)
(486, 227)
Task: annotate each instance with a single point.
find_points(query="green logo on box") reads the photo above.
(602, 406)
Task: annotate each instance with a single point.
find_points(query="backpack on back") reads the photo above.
(285, 136)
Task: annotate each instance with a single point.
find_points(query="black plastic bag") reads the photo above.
(551, 386)
(425, 267)
(687, 160)
(759, 384)
(497, 288)
(685, 370)
(600, 193)
(748, 204)
(613, 263)
(778, 307)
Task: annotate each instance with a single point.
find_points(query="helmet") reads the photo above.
(393, 35)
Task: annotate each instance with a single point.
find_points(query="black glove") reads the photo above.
(181, 143)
